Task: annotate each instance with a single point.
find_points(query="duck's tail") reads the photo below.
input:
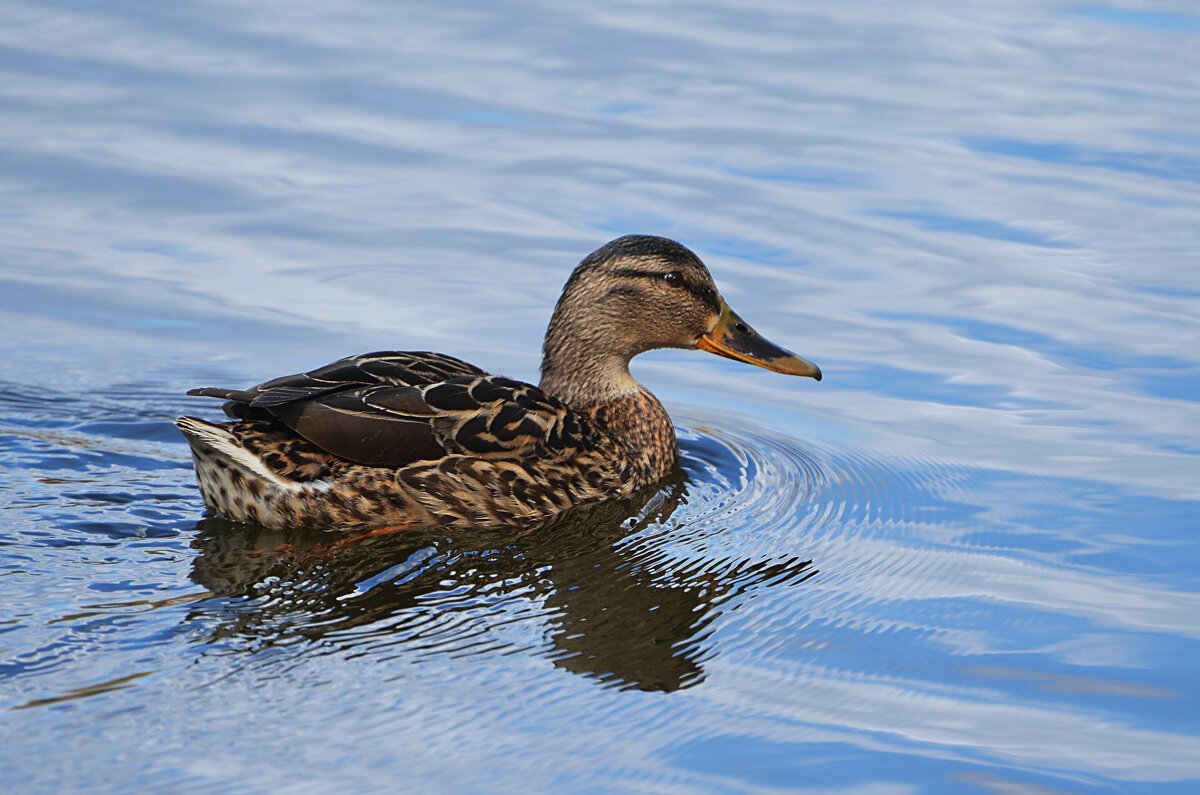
(234, 482)
(211, 439)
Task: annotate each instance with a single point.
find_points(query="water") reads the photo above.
(965, 561)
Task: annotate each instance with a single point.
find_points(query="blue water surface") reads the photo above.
(966, 561)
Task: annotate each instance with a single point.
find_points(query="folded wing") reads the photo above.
(390, 409)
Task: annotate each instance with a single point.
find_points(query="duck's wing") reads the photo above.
(391, 368)
(386, 425)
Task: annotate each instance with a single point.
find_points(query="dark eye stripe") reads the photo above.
(706, 294)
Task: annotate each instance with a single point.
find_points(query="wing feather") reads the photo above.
(390, 409)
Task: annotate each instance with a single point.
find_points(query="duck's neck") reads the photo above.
(582, 382)
(581, 363)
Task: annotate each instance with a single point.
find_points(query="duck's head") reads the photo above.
(635, 294)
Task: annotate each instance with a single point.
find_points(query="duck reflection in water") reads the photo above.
(624, 613)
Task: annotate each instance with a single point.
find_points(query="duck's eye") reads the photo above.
(674, 278)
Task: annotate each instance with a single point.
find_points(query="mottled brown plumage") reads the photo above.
(395, 438)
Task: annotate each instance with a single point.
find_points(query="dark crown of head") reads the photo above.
(642, 246)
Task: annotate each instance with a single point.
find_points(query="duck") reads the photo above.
(396, 439)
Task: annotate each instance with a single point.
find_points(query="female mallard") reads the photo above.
(422, 438)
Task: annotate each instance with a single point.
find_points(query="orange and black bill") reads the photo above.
(732, 337)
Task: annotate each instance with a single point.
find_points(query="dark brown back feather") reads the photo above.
(392, 409)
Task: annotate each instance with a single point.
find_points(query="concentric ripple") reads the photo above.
(787, 491)
(889, 534)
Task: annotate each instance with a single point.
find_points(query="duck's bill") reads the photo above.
(733, 338)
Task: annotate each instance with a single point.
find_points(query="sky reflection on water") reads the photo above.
(981, 222)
